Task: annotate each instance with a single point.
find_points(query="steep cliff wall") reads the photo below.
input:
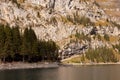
(59, 19)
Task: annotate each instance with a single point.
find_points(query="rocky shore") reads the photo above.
(82, 64)
(20, 65)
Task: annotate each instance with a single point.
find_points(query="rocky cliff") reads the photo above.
(74, 24)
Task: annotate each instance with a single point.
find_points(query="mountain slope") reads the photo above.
(75, 25)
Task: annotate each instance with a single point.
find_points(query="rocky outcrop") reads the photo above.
(59, 19)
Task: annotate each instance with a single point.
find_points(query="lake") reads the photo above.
(96, 72)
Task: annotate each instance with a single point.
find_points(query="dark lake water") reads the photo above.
(101, 72)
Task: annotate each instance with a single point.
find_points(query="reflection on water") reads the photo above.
(105, 72)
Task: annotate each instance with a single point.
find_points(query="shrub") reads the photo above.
(106, 37)
(102, 54)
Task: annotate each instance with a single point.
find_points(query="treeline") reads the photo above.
(16, 46)
(102, 54)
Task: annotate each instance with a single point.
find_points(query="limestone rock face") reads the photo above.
(58, 19)
(112, 8)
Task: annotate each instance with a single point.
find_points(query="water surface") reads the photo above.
(101, 72)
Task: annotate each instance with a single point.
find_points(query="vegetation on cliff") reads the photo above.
(102, 54)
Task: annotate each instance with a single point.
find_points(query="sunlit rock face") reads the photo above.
(112, 8)
(51, 18)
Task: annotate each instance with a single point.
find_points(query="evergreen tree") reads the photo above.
(42, 49)
(16, 40)
(24, 46)
(53, 49)
(35, 51)
(8, 47)
(32, 39)
(2, 40)
(29, 43)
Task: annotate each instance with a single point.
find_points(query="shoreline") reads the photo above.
(21, 65)
(87, 64)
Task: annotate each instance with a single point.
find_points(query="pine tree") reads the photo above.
(24, 46)
(42, 49)
(32, 36)
(35, 50)
(53, 50)
(8, 47)
(16, 40)
(29, 43)
(32, 39)
(2, 40)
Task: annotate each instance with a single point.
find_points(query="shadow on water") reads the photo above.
(28, 74)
